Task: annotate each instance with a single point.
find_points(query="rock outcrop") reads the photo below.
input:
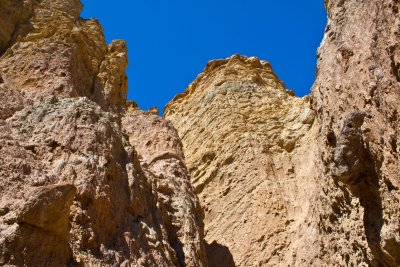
(358, 73)
(47, 49)
(160, 152)
(239, 172)
(74, 191)
(249, 145)
(307, 182)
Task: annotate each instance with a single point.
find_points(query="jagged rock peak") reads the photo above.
(243, 136)
(47, 49)
(237, 67)
(74, 191)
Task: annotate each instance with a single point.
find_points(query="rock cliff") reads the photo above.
(249, 147)
(313, 181)
(239, 172)
(357, 99)
(75, 190)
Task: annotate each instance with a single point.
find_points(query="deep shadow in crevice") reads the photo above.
(367, 189)
(359, 169)
(368, 193)
(219, 255)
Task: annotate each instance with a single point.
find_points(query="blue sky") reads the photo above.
(170, 41)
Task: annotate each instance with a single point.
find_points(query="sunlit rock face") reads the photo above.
(74, 191)
(238, 172)
(47, 49)
(312, 181)
(249, 145)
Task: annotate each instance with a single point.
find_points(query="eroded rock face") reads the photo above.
(160, 150)
(249, 147)
(72, 189)
(288, 182)
(47, 49)
(72, 186)
(87, 179)
(358, 70)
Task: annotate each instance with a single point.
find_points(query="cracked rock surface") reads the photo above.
(73, 190)
(238, 171)
(286, 181)
(248, 143)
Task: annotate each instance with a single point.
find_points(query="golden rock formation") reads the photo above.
(239, 172)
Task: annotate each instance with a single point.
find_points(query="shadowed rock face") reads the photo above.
(358, 69)
(88, 179)
(160, 150)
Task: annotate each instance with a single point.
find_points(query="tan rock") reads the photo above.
(52, 51)
(248, 145)
(160, 150)
(87, 179)
(358, 69)
(72, 189)
(286, 182)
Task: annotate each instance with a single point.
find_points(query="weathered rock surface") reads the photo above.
(248, 144)
(281, 188)
(160, 152)
(47, 49)
(88, 179)
(72, 189)
(358, 71)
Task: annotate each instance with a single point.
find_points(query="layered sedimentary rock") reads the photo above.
(282, 188)
(73, 189)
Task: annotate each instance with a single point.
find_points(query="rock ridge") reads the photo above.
(238, 171)
(243, 135)
(74, 188)
(301, 182)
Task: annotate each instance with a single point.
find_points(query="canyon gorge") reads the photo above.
(238, 171)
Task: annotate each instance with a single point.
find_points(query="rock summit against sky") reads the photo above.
(238, 171)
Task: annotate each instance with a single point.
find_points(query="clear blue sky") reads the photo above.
(170, 41)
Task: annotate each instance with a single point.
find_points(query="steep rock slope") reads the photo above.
(281, 189)
(87, 179)
(69, 187)
(48, 50)
(357, 96)
(160, 152)
(72, 189)
(249, 148)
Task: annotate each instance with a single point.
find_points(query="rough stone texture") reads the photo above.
(13, 13)
(75, 190)
(325, 193)
(47, 49)
(248, 144)
(160, 150)
(358, 71)
(87, 179)
(72, 189)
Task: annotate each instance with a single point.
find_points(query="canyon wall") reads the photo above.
(75, 190)
(312, 181)
(357, 99)
(239, 172)
(250, 147)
